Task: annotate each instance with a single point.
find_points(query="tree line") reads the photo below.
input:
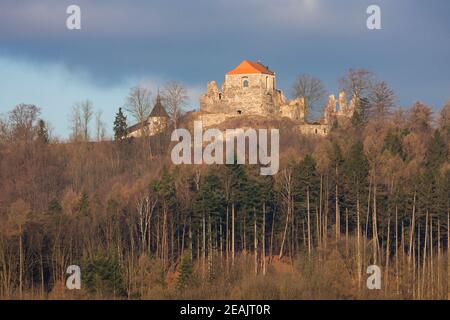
(375, 191)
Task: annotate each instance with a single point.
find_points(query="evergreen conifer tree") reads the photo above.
(120, 126)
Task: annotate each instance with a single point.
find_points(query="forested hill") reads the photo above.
(375, 191)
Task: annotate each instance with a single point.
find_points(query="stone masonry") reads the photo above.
(250, 89)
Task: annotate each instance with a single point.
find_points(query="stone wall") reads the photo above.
(256, 95)
(249, 93)
(154, 126)
(243, 94)
(294, 110)
(339, 109)
(212, 119)
(315, 129)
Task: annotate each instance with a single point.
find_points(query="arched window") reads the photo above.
(245, 82)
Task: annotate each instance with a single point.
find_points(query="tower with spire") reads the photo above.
(157, 122)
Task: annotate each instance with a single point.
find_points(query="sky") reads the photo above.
(123, 44)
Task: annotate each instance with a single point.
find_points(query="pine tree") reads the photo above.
(437, 152)
(355, 173)
(83, 204)
(362, 112)
(237, 177)
(305, 189)
(336, 163)
(166, 193)
(207, 209)
(185, 278)
(54, 207)
(393, 143)
(42, 132)
(120, 126)
(103, 276)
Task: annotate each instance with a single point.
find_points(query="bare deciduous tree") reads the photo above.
(420, 117)
(23, 119)
(75, 123)
(444, 117)
(176, 98)
(86, 112)
(138, 103)
(99, 126)
(381, 100)
(80, 118)
(356, 82)
(312, 90)
(4, 130)
(145, 205)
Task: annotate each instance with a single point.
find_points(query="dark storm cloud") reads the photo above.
(197, 40)
(167, 37)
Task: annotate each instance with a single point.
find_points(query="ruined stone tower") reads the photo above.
(249, 89)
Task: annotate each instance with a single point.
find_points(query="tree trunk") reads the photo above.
(263, 254)
(321, 231)
(366, 235)
(338, 214)
(232, 233)
(271, 236)
(411, 233)
(346, 231)
(227, 238)
(388, 237)
(402, 243)
(182, 237)
(244, 243)
(358, 240)
(374, 223)
(220, 239)
(431, 257)
(396, 249)
(439, 261)
(210, 251)
(20, 263)
(308, 221)
(255, 241)
(41, 264)
(327, 210)
(204, 243)
(317, 228)
(419, 239)
(191, 252)
(285, 231)
(165, 247)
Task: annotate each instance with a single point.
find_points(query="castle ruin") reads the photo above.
(250, 90)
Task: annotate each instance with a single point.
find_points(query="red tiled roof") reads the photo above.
(248, 67)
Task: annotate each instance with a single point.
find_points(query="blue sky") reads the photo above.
(127, 43)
